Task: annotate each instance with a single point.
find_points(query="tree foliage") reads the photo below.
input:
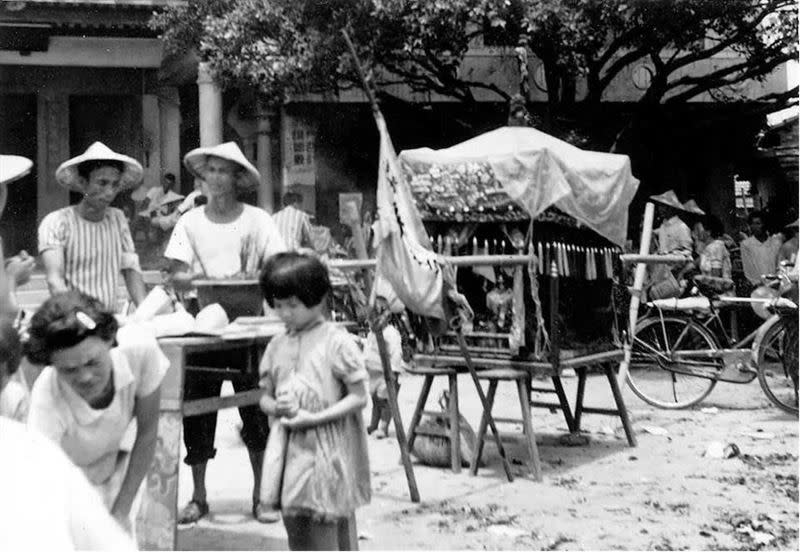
(280, 48)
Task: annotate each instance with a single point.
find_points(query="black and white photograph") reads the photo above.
(399, 275)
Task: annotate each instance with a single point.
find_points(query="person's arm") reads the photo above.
(354, 401)
(144, 448)
(180, 275)
(135, 284)
(53, 261)
(347, 363)
(131, 271)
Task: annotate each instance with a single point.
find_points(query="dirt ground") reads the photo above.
(662, 495)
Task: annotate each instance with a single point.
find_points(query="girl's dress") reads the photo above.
(326, 472)
(99, 441)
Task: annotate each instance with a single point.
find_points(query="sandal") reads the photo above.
(264, 515)
(193, 511)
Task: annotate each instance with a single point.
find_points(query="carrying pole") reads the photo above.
(388, 375)
(636, 293)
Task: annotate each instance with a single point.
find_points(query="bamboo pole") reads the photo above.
(652, 258)
(636, 297)
(388, 375)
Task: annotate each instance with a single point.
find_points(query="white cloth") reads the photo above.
(94, 438)
(46, 503)
(94, 252)
(537, 170)
(674, 237)
(759, 257)
(14, 401)
(224, 250)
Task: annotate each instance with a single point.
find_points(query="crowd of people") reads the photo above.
(95, 392)
(729, 264)
(91, 403)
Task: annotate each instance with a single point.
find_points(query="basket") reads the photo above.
(237, 297)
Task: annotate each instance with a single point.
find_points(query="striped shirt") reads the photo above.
(94, 252)
(294, 226)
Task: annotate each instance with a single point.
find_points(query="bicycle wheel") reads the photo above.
(777, 366)
(650, 380)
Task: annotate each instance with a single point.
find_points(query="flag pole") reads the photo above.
(377, 327)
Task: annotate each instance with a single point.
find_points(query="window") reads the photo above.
(742, 190)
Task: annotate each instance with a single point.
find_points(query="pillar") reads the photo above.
(210, 106)
(53, 149)
(264, 157)
(170, 130)
(151, 130)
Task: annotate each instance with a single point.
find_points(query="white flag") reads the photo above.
(404, 258)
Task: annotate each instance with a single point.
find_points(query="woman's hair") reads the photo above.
(65, 320)
(295, 274)
(10, 347)
(714, 226)
(85, 169)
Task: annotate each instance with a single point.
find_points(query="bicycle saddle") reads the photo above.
(711, 286)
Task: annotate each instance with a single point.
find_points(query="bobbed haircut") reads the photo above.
(85, 169)
(295, 274)
(10, 347)
(57, 325)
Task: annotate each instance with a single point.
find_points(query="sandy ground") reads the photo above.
(662, 495)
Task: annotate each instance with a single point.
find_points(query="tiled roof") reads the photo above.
(104, 3)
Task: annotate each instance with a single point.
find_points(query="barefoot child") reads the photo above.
(381, 411)
(314, 381)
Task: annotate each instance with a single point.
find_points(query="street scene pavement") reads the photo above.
(664, 494)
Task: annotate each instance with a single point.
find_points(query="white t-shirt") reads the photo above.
(92, 438)
(759, 257)
(224, 250)
(45, 501)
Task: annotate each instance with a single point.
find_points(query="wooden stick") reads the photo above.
(652, 259)
(463, 260)
(487, 413)
(388, 377)
(636, 296)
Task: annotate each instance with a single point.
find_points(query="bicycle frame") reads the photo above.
(731, 362)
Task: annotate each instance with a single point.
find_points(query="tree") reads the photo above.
(280, 48)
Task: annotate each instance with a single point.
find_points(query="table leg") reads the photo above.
(157, 517)
(576, 422)
(623, 412)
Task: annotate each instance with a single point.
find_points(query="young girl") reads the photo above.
(314, 381)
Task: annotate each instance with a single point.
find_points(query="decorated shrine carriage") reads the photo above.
(553, 218)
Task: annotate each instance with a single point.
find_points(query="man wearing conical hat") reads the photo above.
(223, 239)
(87, 246)
(674, 236)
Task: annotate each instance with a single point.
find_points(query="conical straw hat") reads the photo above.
(13, 167)
(195, 161)
(67, 173)
(670, 199)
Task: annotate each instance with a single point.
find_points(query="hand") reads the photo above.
(19, 267)
(287, 405)
(302, 419)
(182, 281)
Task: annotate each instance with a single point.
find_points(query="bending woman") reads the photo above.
(90, 392)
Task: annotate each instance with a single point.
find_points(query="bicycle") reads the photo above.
(681, 349)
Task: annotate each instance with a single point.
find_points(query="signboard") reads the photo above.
(350, 208)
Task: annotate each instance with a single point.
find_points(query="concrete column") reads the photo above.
(170, 129)
(264, 157)
(53, 149)
(151, 129)
(210, 106)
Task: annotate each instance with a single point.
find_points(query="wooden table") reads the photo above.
(157, 517)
